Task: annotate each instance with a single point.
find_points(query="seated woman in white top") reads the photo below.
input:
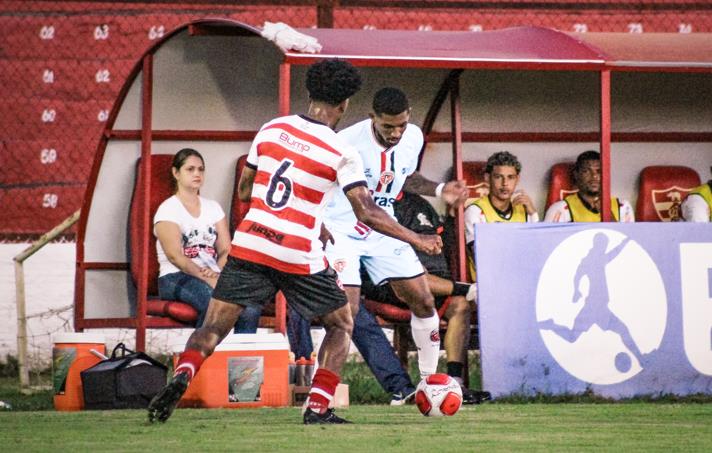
(193, 237)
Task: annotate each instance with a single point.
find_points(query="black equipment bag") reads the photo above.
(128, 381)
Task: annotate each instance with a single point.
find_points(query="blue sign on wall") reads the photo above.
(618, 309)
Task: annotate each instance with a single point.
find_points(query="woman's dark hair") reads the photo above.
(332, 81)
(182, 155)
(390, 101)
(180, 158)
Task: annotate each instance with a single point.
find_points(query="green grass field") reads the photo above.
(572, 427)
(579, 422)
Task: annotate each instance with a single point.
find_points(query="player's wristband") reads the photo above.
(439, 190)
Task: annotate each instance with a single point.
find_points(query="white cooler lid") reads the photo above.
(78, 337)
(243, 342)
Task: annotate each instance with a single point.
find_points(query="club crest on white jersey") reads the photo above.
(385, 170)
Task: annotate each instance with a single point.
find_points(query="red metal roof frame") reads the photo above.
(146, 134)
(513, 48)
(523, 48)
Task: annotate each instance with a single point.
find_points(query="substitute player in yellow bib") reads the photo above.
(504, 203)
(585, 205)
(697, 206)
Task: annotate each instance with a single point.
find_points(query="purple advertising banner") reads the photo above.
(615, 309)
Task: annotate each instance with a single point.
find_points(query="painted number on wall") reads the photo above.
(156, 32)
(103, 115)
(102, 76)
(47, 32)
(49, 200)
(101, 32)
(635, 27)
(48, 76)
(580, 28)
(48, 156)
(48, 115)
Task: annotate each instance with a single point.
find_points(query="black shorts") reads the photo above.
(254, 285)
(385, 294)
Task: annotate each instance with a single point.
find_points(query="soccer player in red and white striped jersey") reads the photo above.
(294, 166)
(296, 162)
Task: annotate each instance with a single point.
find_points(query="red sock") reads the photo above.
(322, 390)
(189, 362)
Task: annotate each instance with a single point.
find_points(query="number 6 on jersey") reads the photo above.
(280, 187)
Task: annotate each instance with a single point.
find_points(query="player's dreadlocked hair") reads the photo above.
(332, 81)
(390, 101)
(503, 158)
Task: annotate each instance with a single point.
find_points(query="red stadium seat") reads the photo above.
(474, 172)
(399, 318)
(274, 314)
(661, 190)
(561, 183)
(161, 188)
(394, 314)
(238, 208)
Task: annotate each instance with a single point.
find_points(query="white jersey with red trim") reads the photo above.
(385, 169)
(299, 163)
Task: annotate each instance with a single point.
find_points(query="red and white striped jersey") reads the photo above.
(385, 169)
(300, 163)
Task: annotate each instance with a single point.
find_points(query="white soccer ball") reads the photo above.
(438, 395)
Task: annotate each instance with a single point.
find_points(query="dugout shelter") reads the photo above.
(545, 95)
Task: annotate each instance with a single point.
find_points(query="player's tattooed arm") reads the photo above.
(244, 187)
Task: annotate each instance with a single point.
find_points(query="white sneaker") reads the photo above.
(402, 397)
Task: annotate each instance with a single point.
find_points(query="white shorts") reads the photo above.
(384, 257)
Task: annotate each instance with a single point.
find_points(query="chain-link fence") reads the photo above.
(62, 64)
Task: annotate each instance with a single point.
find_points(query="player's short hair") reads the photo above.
(503, 158)
(390, 100)
(332, 81)
(585, 157)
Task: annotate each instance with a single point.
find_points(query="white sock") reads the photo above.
(426, 335)
(471, 293)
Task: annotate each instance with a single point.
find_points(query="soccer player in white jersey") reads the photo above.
(294, 166)
(585, 205)
(390, 148)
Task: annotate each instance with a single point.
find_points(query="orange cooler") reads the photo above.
(71, 355)
(246, 370)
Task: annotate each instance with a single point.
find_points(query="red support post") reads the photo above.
(284, 88)
(325, 13)
(146, 130)
(456, 125)
(605, 145)
(280, 309)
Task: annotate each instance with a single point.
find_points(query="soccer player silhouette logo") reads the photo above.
(596, 308)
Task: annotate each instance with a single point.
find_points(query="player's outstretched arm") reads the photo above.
(369, 213)
(244, 187)
(454, 193)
